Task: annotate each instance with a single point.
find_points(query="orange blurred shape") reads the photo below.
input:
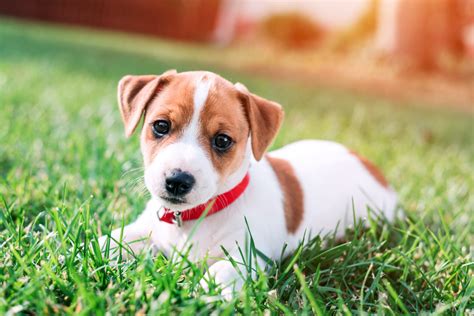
(421, 31)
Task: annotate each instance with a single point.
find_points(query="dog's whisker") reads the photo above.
(132, 171)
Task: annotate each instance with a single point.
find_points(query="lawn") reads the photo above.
(68, 175)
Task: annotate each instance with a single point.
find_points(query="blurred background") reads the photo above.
(403, 49)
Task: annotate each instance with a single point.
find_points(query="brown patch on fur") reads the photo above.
(373, 170)
(224, 114)
(264, 117)
(292, 192)
(173, 103)
(134, 95)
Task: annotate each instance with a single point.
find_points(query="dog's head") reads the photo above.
(199, 132)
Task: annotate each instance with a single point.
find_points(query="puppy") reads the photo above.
(203, 142)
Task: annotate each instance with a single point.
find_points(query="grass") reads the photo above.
(68, 175)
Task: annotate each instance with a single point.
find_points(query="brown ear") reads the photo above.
(265, 118)
(134, 94)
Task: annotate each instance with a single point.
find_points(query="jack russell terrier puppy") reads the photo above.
(203, 142)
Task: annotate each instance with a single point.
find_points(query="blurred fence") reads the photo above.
(181, 19)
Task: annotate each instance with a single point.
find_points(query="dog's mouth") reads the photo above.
(173, 200)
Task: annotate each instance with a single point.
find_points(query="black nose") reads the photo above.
(179, 182)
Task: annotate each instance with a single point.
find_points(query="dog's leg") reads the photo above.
(131, 239)
(230, 274)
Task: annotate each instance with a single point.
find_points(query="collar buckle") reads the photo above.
(178, 219)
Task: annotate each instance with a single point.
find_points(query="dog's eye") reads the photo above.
(222, 142)
(161, 128)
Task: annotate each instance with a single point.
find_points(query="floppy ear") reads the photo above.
(264, 117)
(134, 94)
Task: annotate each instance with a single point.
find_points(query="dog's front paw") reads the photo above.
(225, 277)
(107, 243)
(227, 292)
(102, 242)
(107, 246)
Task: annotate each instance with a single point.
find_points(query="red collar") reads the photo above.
(220, 202)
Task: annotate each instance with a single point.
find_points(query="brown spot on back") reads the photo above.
(292, 192)
(373, 170)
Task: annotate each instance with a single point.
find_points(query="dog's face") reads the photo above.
(198, 135)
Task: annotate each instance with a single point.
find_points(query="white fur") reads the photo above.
(333, 181)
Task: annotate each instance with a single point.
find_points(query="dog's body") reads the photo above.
(301, 190)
